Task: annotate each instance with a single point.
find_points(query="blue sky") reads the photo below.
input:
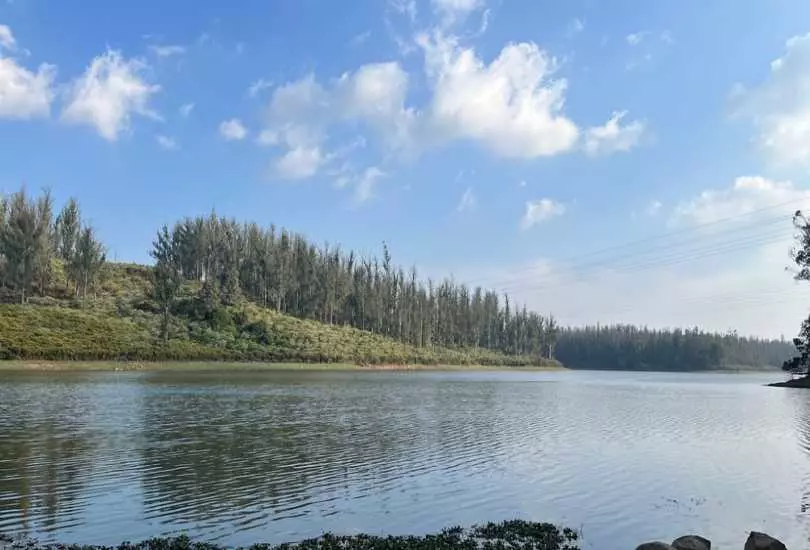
(513, 143)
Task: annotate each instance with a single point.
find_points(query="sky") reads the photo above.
(626, 161)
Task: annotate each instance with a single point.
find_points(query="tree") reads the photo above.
(88, 259)
(801, 257)
(44, 249)
(167, 275)
(21, 238)
(68, 226)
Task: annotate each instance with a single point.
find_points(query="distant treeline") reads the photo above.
(623, 347)
(228, 263)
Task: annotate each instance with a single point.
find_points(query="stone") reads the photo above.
(691, 542)
(761, 541)
(655, 546)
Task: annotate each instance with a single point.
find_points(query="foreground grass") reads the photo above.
(512, 535)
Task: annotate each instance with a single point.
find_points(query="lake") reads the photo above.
(241, 457)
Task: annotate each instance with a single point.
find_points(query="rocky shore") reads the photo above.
(756, 541)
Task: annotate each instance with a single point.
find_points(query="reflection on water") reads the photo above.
(244, 457)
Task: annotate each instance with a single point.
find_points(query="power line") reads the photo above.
(588, 263)
(574, 274)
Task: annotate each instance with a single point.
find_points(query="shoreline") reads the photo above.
(154, 366)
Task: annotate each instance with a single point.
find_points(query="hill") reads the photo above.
(122, 322)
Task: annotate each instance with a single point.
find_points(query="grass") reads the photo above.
(512, 535)
(121, 324)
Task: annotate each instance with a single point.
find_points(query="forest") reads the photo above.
(211, 273)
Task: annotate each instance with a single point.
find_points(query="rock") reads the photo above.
(691, 542)
(656, 546)
(761, 541)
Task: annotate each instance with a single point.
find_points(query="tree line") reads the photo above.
(283, 270)
(33, 242)
(626, 347)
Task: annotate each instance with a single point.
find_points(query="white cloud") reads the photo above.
(168, 50)
(300, 113)
(512, 106)
(540, 211)
(634, 39)
(468, 201)
(167, 143)
(267, 137)
(364, 190)
(780, 106)
(232, 130)
(185, 109)
(108, 94)
(257, 86)
(453, 11)
(7, 38)
(653, 208)
(612, 137)
(748, 194)
(25, 94)
(299, 163)
(376, 93)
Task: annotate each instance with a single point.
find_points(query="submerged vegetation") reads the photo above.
(513, 535)
(229, 291)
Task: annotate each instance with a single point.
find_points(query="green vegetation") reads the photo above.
(226, 291)
(800, 364)
(121, 322)
(513, 535)
(623, 347)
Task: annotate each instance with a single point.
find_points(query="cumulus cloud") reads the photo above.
(24, 93)
(513, 106)
(375, 94)
(540, 211)
(468, 201)
(780, 106)
(167, 143)
(299, 163)
(748, 194)
(110, 92)
(167, 50)
(232, 130)
(7, 38)
(612, 137)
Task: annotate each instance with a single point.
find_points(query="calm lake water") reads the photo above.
(277, 456)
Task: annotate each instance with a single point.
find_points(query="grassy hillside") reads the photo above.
(122, 323)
